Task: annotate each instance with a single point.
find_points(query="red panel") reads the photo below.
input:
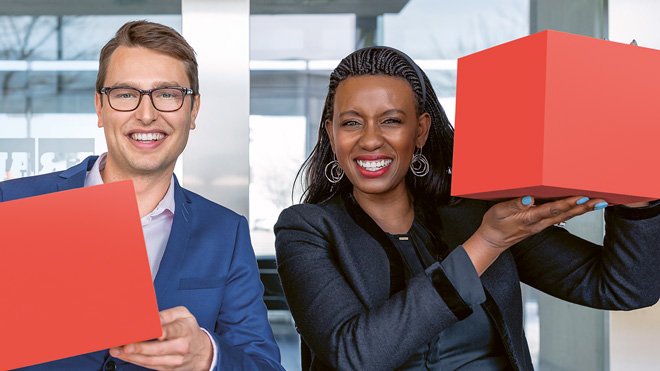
(74, 275)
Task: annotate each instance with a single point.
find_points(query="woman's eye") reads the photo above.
(392, 121)
(350, 123)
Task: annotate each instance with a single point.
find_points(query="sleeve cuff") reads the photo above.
(457, 282)
(214, 362)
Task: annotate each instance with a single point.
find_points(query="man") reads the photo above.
(205, 276)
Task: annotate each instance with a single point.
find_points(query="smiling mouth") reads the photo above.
(147, 137)
(374, 165)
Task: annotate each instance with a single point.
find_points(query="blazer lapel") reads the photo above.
(167, 277)
(373, 276)
(74, 177)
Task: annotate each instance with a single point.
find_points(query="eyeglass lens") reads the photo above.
(128, 99)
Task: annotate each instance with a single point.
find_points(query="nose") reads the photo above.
(372, 137)
(146, 112)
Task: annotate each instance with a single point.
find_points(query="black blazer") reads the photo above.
(336, 277)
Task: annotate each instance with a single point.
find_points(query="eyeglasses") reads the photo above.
(125, 99)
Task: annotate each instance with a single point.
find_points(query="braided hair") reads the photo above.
(438, 149)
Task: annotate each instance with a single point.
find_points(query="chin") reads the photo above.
(147, 166)
(373, 189)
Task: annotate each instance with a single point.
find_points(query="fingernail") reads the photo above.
(582, 200)
(600, 205)
(527, 200)
(115, 352)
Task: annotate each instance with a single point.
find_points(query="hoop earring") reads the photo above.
(419, 165)
(333, 172)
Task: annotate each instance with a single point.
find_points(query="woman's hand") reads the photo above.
(637, 204)
(510, 222)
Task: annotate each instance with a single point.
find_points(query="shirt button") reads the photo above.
(110, 366)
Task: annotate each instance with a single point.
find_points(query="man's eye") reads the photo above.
(168, 94)
(124, 94)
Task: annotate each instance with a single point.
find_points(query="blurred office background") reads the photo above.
(264, 67)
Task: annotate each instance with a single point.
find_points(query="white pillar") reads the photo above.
(215, 162)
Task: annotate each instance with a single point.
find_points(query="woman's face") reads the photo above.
(374, 131)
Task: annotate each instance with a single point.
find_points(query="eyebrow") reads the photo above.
(157, 84)
(386, 113)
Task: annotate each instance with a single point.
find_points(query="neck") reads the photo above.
(149, 188)
(393, 212)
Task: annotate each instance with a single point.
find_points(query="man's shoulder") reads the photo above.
(29, 186)
(40, 184)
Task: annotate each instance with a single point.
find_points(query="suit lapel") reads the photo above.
(176, 245)
(74, 177)
(371, 272)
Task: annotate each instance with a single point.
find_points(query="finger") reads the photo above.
(172, 314)
(154, 348)
(167, 362)
(514, 206)
(637, 204)
(179, 328)
(562, 210)
(550, 211)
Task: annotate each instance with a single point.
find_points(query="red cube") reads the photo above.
(555, 114)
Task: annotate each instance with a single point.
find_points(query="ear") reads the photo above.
(98, 105)
(331, 135)
(423, 129)
(197, 101)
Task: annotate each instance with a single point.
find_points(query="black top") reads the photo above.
(470, 344)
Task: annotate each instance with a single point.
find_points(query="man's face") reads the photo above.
(144, 141)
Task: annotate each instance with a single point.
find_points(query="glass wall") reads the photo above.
(293, 49)
(293, 52)
(47, 76)
(634, 335)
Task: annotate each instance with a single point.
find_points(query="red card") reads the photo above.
(74, 275)
(555, 114)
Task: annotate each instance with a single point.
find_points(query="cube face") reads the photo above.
(554, 115)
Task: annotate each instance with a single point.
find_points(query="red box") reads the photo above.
(555, 114)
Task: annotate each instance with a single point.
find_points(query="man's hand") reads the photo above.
(183, 345)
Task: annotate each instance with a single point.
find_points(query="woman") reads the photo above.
(382, 270)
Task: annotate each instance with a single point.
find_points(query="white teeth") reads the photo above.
(145, 137)
(374, 165)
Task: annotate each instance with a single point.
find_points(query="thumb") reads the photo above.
(527, 201)
(521, 203)
(506, 209)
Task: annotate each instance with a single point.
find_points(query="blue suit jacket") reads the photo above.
(208, 266)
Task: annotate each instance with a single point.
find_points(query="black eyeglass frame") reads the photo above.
(108, 89)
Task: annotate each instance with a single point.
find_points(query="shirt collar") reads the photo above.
(94, 178)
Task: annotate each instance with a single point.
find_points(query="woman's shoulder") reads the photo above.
(312, 214)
